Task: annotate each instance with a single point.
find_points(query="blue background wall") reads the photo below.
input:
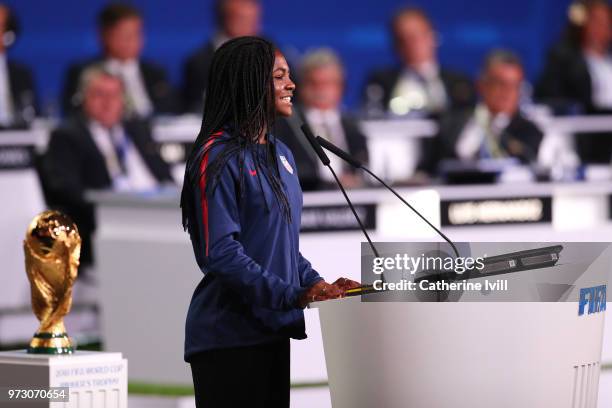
(59, 31)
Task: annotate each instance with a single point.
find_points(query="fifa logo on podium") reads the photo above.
(594, 297)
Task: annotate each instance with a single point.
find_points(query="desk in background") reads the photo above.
(395, 144)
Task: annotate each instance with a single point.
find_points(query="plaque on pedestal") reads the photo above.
(94, 379)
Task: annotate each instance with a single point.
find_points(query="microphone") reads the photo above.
(325, 160)
(357, 164)
(339, 152)
(316, 146)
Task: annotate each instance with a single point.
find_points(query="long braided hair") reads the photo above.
(239, 99)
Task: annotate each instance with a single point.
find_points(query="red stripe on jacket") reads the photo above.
(203, 199)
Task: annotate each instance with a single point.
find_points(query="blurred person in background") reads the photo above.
(577, 77)
(419, 85)
(147, 88)
(99, 150)
(495, 129)
(17, 93)
(321, 90)
(234, 18)
(578, 70)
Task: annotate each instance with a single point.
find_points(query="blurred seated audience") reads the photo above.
(98, 149)
(578, 72)
(321, 90)
(577, 77)
(419, 85)
(147, 88)
(17, 93)
(235, 18)
(495, 128)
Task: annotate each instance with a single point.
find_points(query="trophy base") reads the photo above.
(50, 343)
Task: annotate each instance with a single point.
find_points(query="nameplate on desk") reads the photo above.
(16, 157)
(496, 211)
(337, 218)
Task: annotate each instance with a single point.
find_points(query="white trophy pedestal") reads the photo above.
(95, 379)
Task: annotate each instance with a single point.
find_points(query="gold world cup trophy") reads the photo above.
(52, 248)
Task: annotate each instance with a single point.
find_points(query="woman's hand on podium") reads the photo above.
(320, 291)
(345, 284)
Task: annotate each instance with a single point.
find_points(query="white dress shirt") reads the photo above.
(6, 102)
(600, 71)
(419, 90)
(137, 98)
(137, 176)
(219, 39)
(475, 132)
(328, 125)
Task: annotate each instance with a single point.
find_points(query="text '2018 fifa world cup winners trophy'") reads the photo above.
(52, 248)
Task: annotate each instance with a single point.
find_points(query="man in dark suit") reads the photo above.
(17, 93)
(98, 150)
(235, 18)
(577, 77)
(148, 90)
(496, 128)
(419, 85)
(321, 90)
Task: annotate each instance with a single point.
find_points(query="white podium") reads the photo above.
(94, 379)
(460, 355)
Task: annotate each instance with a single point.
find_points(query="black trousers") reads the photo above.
(251, 376)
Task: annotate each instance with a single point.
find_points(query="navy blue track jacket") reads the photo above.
(253, 270)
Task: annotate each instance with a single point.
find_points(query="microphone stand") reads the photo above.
(325, 160)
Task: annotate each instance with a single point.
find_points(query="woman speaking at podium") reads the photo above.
(241, 205)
